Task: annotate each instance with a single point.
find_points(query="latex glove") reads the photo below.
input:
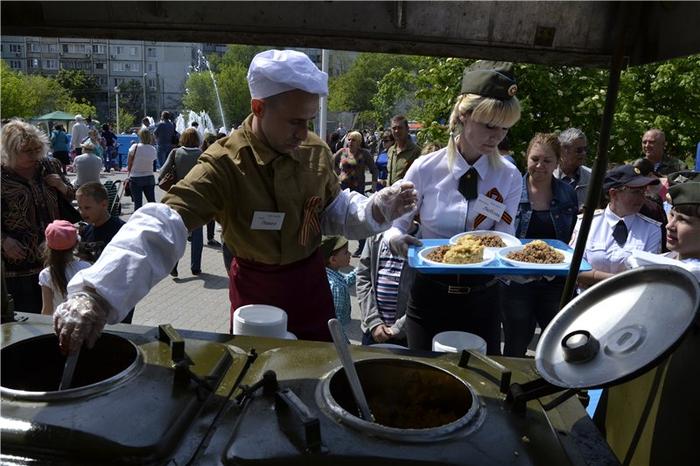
(79, 319)
(396, 200)
(399, 244)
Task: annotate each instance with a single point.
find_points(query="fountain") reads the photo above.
(201, 58)
(185, 119)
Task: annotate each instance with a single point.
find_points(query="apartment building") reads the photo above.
(160, 67)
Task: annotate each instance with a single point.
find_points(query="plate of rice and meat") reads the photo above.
(535, 255)
(487, 238)
(466, 254)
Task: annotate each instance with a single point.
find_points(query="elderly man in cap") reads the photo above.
(271, 186)
(620, 228)
(78, 134)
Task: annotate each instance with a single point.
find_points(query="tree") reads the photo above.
(28, 96)
(235, 95)
(131, 96)
(199, 95)
(353, 91)
(81, 85)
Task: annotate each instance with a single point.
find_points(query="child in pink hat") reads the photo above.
(61, 240)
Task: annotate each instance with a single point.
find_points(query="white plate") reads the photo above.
(508, 239)
(488, 257)
(503, 253)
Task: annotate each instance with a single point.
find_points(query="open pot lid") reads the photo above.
(619, 328)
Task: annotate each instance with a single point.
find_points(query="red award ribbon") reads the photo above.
(496, 196)
(310, 224)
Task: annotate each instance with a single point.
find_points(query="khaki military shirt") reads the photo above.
(241, 175)
(399, 161)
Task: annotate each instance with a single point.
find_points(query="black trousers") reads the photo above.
(523, 306)
(436, 305)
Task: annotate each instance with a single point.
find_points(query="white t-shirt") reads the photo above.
(71, 269)
(143, 161)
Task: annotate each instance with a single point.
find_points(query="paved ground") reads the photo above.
(199, 302)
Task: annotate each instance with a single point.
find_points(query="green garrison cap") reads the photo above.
(685, 193)
(490, 79)
(682, 177)
(329, 244)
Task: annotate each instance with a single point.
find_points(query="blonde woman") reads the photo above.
(453, 183)
(140, 168)
(31, 186)
(351, 162)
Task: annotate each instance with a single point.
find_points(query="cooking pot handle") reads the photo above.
(168, 334)
(504, 373)
(297, 421)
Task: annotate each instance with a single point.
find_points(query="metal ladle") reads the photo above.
(69, 370)
(341, 347)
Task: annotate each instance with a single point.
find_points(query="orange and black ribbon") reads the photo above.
(310, 224)
(496, 196)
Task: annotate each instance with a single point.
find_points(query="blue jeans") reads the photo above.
(142, 185)
(163, 151)
(196, 246)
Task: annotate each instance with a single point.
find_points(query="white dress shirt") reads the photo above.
(443, 210)
(603, 252)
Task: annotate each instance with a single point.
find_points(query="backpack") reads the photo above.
(113, 202)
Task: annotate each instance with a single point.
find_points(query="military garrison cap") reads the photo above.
(490, 79)
(682, 177)
(330, 244)
(685, 193)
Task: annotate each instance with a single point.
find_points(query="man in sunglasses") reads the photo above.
(571, 169)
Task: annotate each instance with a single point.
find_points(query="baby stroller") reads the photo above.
(115, 190)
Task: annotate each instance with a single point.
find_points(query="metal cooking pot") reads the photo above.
(32, 368)
(433, 403)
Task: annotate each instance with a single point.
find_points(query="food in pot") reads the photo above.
(466, 252)
(488, 241)
(537, 252)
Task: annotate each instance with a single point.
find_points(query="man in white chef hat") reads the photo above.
(271, 186)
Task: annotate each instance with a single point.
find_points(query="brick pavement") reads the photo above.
(199, 302)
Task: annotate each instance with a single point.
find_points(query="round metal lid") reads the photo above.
(619, 328)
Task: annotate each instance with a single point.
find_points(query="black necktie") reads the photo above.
(620, 233)
(467, 184)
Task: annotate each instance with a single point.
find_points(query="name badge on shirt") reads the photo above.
(490, 208)
(267, 220)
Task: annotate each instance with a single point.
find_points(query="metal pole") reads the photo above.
(144, 95)
(116, 94)
(322, 116)
(601, 162)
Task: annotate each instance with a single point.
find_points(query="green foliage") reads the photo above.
(28, 96)
(126, 119)
(354, 90)
(131, 97)
(235, 95)
(662, 95)
(199, 95)
(81, 85)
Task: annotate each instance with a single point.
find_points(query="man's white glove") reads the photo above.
(396, 200)
(79, 319)
(399, 244)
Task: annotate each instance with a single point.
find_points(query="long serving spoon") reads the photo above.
(341, 347)
(69, 370)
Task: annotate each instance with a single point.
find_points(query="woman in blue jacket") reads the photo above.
(60, 146)
(547, 210)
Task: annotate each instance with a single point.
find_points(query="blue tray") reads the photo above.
(495, 267)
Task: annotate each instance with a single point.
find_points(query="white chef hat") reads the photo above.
(275, 71)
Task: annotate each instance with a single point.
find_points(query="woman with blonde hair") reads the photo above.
(463, 187)
(140, 169)
(352, 162)
(32, 187)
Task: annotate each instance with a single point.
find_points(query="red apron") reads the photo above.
(300, 288)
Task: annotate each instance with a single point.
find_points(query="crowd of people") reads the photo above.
(288, 204)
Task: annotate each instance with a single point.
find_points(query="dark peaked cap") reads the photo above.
(686, 193)
(490, 79)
